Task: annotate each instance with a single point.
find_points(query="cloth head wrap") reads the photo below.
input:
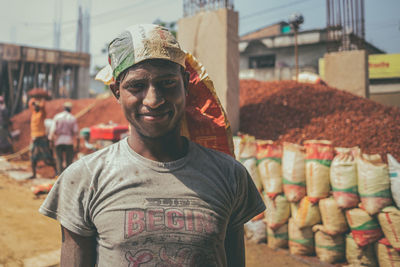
(138, 43)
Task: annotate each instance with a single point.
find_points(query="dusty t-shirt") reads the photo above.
(147, 213)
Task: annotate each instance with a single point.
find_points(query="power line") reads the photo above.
(266, 11)
(105, 19)
(97, 16)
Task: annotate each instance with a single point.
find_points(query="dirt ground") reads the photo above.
(25, 233)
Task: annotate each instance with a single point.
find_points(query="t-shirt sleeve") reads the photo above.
(248, 201)
(69, 200)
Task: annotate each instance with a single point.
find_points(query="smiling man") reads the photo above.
(155, 198)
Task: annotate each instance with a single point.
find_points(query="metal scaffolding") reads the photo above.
(191, 7)
(345, 24)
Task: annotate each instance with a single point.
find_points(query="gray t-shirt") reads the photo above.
(147, 213)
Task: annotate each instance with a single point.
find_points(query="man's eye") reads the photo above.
(135, 86)
(168, 83)
(139, 85)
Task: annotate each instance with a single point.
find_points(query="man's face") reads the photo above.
(152, 96)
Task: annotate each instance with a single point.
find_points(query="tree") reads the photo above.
(171, 26)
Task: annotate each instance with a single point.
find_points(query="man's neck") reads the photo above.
(167, 148)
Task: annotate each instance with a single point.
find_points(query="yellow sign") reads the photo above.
(381, 66)
(384, 66)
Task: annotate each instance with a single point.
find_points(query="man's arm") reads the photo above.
(41, 103)
(234, 247)
(77, 250)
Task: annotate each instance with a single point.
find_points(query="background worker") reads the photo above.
(87, 147)
(5, 136)
(40, 148)
(62, 132)
(154, 198)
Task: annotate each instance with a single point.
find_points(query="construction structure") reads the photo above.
(192, 7)
(346, 63)
(345, 25)
(209, 31)
(63, 74)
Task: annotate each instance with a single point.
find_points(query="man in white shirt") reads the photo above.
(62, 133)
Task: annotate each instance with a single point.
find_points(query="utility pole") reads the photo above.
(295, 20)
(296, 53)
(83, 28)
(79, 30)
(86, 23)
(57, 24)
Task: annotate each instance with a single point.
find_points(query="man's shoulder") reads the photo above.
(70, 115)
(90, 166)
(61, 115)
(58, 116)
(216, 156)
(108, 151)
(100, 158)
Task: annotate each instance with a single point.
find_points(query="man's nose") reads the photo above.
(153, 98)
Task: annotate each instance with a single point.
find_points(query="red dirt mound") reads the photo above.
(294, 112)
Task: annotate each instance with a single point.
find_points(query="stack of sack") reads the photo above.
(335, 203)
(247, 155)
(245, 148)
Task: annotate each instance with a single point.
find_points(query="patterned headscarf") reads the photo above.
(138, 43)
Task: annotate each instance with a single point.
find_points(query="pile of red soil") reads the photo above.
(295, 112)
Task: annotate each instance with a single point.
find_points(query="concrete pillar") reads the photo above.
(212, 37)
(348, 71)
(83, 82)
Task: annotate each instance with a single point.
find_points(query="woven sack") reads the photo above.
(319, 155)
(269, 159)
(343, 176)
(394, 174)
(373, 183)
(386, 254)
(293, 172)
(329, 248)
(360, 256)
(301, 240)
(278, 238)
(364, 228)
(307, 214)
(277, 211)
(333, 218)
(389, 219)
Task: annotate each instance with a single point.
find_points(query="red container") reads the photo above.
(108, 132)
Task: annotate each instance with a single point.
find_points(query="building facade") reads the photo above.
(268, 53)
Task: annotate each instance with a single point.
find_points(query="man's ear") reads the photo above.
(114, 87)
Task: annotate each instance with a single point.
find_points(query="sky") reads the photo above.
(31, 22)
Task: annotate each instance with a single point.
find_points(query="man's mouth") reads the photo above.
(155, 117)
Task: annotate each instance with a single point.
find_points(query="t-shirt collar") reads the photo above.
(160, 166)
